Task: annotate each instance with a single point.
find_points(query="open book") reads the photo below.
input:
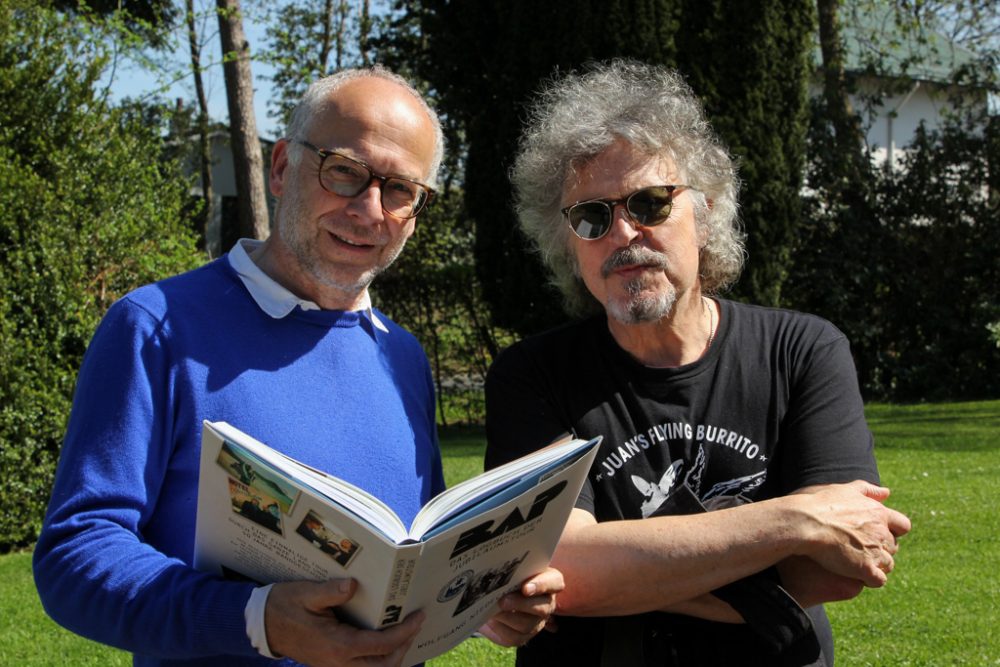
(264, 517)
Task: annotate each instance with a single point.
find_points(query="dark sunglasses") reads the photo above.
(342, 175)
(592, 219)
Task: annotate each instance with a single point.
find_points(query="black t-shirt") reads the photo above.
(771, 407)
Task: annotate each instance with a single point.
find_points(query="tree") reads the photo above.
(306, 41)
(248, 160)
(204, 147)
(941, 282)
(432, 290)
(484, 61)
(148, 19)
(145, 32)
(972, 24)
(749, 63)
(845, 222)
(87, 211)
(845, 124)
(365, 26)
(895, 257)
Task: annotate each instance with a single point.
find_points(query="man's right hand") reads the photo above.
(850, 531)
(300, 623)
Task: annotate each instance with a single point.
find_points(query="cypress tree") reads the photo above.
(749, 63)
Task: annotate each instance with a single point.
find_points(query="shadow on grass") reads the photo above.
(968, 427)
(462, 441)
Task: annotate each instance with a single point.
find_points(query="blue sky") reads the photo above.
(132, 80)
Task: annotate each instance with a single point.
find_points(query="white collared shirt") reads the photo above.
(273, 298)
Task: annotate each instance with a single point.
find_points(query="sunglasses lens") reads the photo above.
(590, 220)
(650, 206)
(647, 207)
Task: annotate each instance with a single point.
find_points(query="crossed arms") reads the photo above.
(828, 542)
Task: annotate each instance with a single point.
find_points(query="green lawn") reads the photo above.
(941, 605)
(942, 462)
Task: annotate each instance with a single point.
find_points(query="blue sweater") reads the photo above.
(326, 387)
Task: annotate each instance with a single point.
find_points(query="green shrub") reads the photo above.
(88, 210)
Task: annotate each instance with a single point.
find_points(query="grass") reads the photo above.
(29, 637)
(942, 462)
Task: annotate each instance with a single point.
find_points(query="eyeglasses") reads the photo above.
(592, 219)
(347, 177)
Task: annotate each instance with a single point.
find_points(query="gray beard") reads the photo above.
(638, 306)
(288, 217)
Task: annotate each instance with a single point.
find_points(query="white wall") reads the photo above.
(892, 123)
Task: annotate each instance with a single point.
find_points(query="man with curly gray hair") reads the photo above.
(654, 112)
(735, 489)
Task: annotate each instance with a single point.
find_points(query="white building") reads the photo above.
(222, 230)
(912, 84)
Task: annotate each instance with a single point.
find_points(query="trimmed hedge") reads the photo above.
(88, 210)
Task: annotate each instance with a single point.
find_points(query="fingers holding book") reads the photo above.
(302, 624)
(526, 612)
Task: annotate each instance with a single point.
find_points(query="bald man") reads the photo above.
(280, 339)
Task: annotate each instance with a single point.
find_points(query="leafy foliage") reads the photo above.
(899, 255)
(87, 211)
(915, 286)
(433, 291)
(862, 247)
(309, 40)
(753, 86)
(484, 61)
(149, 20)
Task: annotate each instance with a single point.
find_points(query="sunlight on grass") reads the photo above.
(29, 638)
(475, 652)
(942, 463)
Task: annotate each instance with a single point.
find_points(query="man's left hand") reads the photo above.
(523, 614)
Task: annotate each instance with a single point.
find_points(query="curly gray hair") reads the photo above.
(317, 95)
(578, 116)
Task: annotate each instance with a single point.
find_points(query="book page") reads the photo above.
(494, 487)
(352, 498)
(256, 524)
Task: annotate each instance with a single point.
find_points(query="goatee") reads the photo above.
(641, 302)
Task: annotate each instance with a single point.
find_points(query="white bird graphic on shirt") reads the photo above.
(657, 493)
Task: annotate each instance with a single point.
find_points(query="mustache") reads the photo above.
(633, 255)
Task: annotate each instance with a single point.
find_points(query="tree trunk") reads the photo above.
(248, 161)
(364, 31)
(835, 93)
(326, 42)
(204, 149)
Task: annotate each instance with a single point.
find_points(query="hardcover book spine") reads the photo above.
(400, 579)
